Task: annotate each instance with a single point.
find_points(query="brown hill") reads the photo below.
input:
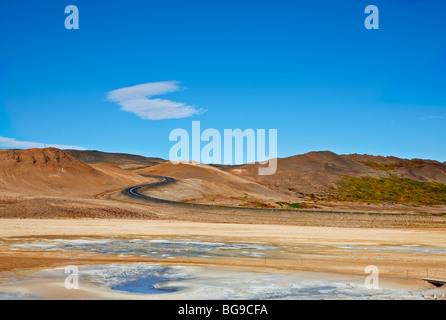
(52, 171)
(319, 172)
(417, 169)
(197, 181)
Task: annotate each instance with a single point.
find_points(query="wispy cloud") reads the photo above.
(136, 100)
(15, 144)
(433, 118)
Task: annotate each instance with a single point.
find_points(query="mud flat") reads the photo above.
(300, 262)
(152, 281)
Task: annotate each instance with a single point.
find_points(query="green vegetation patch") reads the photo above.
(393, 190)
(297, 205)
(394, 165)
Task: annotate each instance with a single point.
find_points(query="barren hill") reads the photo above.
(320, 172)
(310, 173)
(197, 181)
(52, 171)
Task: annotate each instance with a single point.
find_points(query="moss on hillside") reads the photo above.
(390, 190)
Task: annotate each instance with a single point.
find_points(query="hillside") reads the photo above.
(52, 171)
(200, 181)
(417, 169)
(319, 173)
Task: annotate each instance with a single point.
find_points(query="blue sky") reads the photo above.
(309, 69)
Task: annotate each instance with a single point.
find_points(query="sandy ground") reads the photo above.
(113, 205)
(263, 233)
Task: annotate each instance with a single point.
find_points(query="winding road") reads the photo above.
(133, 193)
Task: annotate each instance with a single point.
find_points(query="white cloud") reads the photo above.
(433, 118)
(136, 100)
(14, 144)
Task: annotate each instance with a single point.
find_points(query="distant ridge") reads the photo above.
(122, 160)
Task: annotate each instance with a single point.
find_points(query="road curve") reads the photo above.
(133, 193)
